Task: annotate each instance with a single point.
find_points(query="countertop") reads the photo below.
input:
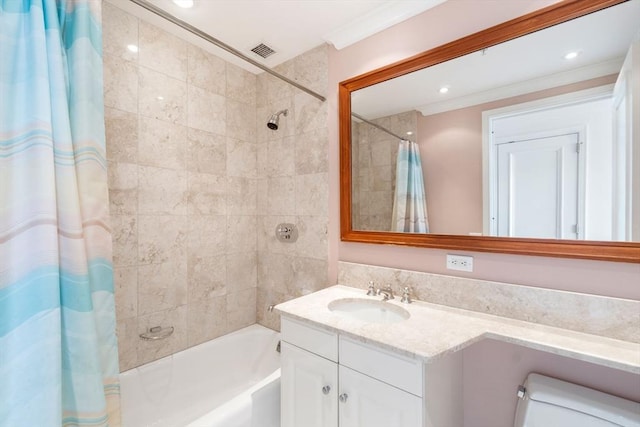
(434, 331)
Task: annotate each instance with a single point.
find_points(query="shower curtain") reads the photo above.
(58, 350)
(409, 202)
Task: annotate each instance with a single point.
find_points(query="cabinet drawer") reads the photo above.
(389, 367)
(315, 340)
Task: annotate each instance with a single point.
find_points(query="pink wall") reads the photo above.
(498, 368)
(451, 149)
(449, 21)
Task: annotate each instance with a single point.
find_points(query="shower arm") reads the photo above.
(222, 45)
(383, 129)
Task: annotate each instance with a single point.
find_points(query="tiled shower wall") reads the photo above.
(181, 145)
(197, 186)
(374, 161)
(293, 183)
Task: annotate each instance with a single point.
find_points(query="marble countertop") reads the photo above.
(433, 331)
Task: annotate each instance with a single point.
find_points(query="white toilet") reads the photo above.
(548, 402)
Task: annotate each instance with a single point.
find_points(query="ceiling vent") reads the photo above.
(263, 50)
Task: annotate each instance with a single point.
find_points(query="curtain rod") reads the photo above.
(383, 129)
(193, 30)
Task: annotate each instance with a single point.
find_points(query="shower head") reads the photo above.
(273, 120)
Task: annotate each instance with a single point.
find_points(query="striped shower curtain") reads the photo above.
(409, 202)
(58, 350)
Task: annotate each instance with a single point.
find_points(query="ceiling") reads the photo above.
(530, 63)
(290, 27)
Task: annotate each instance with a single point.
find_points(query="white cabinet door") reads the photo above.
(309, 389)
(366, 402)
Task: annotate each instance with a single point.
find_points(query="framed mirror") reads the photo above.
(528, 135)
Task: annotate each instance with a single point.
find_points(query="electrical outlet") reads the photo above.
(459, 262)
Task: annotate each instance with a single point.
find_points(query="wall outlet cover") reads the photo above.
(459, 262)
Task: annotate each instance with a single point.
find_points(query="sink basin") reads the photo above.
(367, 310)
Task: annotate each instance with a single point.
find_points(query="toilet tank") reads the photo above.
(549, 402)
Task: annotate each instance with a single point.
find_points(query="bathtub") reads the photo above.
(232, 381)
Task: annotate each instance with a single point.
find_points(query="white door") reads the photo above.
(309, 389)
(538, 187)
(366, 402)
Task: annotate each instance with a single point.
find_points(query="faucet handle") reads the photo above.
(406, 295)
(372, 289)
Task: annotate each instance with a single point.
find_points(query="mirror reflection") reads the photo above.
(529, 138)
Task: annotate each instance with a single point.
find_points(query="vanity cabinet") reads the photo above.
(333, 380)
(309, 385)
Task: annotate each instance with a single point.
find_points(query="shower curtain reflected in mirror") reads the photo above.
(58, 349)
(409, 202)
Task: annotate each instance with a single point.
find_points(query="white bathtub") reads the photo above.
(232, 381)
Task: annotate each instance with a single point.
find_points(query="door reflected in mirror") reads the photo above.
(531, 138)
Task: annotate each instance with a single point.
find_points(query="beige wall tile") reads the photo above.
(124, 233)
(312, 237)
(153, 350)
(242, 271)
(207, 319)
(127, 331)
(241, 85)
(121, 31)
(262, 200)
(241, 121)
(275, 272)
(120, 84)
(241, 234)
(207, 276)
(267, 241)
(312, 196)
(207, 194)
(161, 287)
(162, 191)
(281, 194)
(188, 180)
(162, 52)
(207, 71)
(310, 113)
(206, 110)
(281, 156)
(238, 319)
(121, 129)
(207, 152)
(278, 89)
(312, 69)
(311, 152)
(241, 158)
(242, 196)
(310, 275)
(123, 188)
(126, 292)
(243, 300)
(162, 97)
(162, 144)
(161, 239)
(265, 298)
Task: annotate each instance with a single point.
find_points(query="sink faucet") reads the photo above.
(387, 293)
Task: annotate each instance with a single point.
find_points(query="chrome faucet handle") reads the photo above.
(372, 289)
(387, 293)
(406, 295)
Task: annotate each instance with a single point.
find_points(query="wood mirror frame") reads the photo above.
(538, 20)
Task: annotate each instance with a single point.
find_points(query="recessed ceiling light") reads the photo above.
(160, 98)
(572, 55)
(444, 89)
(132, 47)
(409, 133)
(186, 4)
